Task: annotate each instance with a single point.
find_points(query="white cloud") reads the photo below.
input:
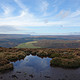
(44, 7)
(25, 14)
(66, 13)
(7, 10)
(26, 18)
(63, 14)
(21, 24)
(21, 5)
(7, 28)
(75, 14)
(60, 13)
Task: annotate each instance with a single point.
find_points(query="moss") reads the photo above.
(55, 55)
(41, 55)
(68, 56)
(65, 63)
(56, 62)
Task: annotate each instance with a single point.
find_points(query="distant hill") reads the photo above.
(59, 37)
(51, 44)
(45, 41)
(13, 36)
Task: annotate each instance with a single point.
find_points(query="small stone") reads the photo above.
(31, 76)
(14, 76)
(1, 77)
(47, 76)
(18, 72)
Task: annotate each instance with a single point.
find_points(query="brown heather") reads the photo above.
(67, 58)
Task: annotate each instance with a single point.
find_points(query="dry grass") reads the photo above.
(68, 58)
(6, 67)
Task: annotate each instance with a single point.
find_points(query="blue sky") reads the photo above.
(44, 17)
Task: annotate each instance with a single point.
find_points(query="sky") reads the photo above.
(40, 17)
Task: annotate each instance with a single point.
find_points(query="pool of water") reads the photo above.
(36, 68)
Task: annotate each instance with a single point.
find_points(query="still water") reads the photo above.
(36, 68)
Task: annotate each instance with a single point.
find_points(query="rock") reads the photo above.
(31, 76)
(14, 76)
(47, 76)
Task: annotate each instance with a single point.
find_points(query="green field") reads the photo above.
(27, 45)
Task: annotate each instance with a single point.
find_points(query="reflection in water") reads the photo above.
(36, 68)
(34, 62)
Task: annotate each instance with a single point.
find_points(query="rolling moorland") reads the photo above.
(63, 50)
(71, 41)
(51, 44)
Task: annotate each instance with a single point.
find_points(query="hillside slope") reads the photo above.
(51, 44)
(28, 45)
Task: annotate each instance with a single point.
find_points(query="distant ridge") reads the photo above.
(2, 36)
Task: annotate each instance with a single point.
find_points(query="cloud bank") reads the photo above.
(21, 15)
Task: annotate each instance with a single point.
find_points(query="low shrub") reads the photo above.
(65, 63)
(6, 67)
